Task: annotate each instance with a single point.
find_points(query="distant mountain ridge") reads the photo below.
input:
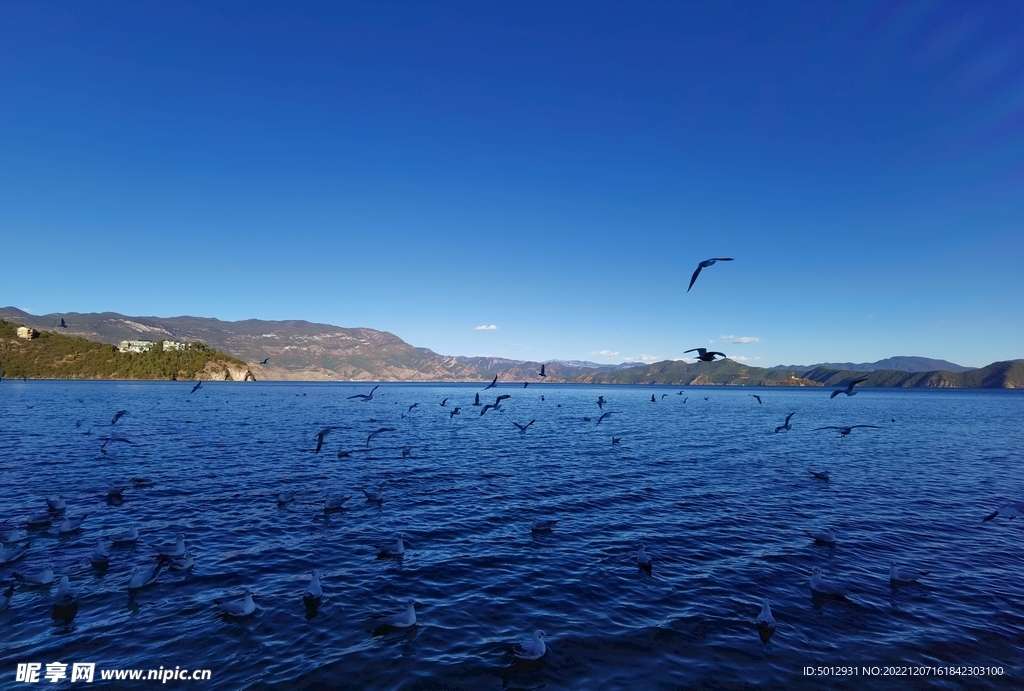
(301, 350)
(900, 363)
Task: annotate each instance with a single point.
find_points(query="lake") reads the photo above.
(721, 502)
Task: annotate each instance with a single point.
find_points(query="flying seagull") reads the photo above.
(265, 361)
(497, 403)
(443, 402)
(758, 398)
(413, 406)
(477, 400)
(844, 431)
(600, 402)
(604, 415)
(364, 397)
(492, 384)
(196, 387)
(703, 265)
(454, 413)
(320, 437)
(704, 355)
(118, 415)
(1011, 510)
(374, 434)
(785, 426)
(525, 384)
(849, 388)
(523, 428)
(542, 372)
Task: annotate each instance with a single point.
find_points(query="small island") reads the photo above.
(30, 354)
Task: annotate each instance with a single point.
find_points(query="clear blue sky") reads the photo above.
(556, 170)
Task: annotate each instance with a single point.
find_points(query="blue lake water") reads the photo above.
(721, 502)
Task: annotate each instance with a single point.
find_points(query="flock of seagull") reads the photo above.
(175, 555)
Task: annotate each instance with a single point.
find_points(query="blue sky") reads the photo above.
(556, 170)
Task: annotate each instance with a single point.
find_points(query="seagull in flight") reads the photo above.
(195, 388)
(320, 437)
(1011, 510)
(525, 384)
(497, 403)
(600, 402)
(380, 431)
(849, 388)
(542, 372)
(492, 384)
(523, 428)
(785, 426)
(364, 397)
(703, 265)
(758, 398)
(118, 415)
(454, 413)
(265, 361)
(604, 415)
(443, 402)
(705, 355)
(477, 400)
(845, 431)
(414, 405)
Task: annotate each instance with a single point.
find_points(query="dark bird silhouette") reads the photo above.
(413, 406)
(443, 402)
(758, 398)
(523, 428)
(477, 400)
(63, 324)
(525, 384)
(453, 413)
(663, 396)
(364, 397)
(822, 475)
(374, 434)
(320, 437)
(1010, 510)
(586, 419)
(705, 355)
(844, 431)
(496, 405)
(118, 415)
(703, 265)
(686, 399)
(653, 399)
(600, 402)
(785, 426)
(195, 388)
(114, 438)
(265, 361)
(849, 388)
(604, 415)
(705, 398)
(616, 440)
(542, 372)
(492, 384)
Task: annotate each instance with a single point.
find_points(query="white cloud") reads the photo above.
(741, 339)
(740, 358)
(650, 358)
(485, 327)
(605, 353)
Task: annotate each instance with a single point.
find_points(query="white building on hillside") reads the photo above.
(134, 346)
(176, 345)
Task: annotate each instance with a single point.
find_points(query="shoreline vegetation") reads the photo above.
(50, 355)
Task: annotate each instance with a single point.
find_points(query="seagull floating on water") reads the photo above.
(845, 431)
(821, 475)
(364, 397)
(118, 415)
(13, 554)
(284, 497)
(56, 505)
(849, 388)
(642, 559)
(314, 591)
(1011, 510)
(900, 575)
(183, 563)
(100, 556)
(765, 618)
(531, 650)
(39, 520)
(12, 535)
(785, 426)
(616, 440)
(402, 620)
(43, 576)
(175, 550)
(394, 549)
(822, 587)
(130, 535)
(826, 535)
(70, 525)
(335, 503)
(542, 525)
(705, 355)
(141, 576)
(376, 495)
(703, 265)
(65, 604)
(238, 608)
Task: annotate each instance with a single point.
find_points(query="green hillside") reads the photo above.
(56, 356)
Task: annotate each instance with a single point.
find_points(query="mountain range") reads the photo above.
(302, 350)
